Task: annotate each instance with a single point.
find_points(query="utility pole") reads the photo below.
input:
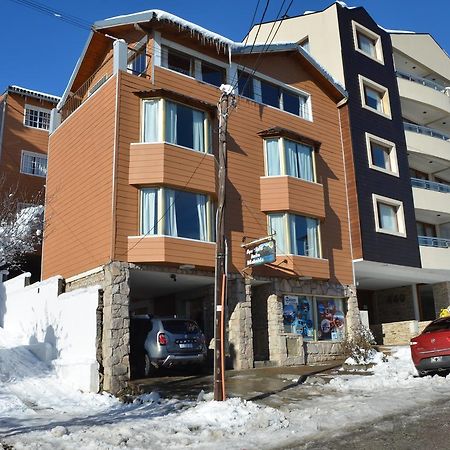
(226, 102)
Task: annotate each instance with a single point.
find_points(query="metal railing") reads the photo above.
(75, 99)
(423, 81)
(425, 130)
(427, 241)
(430, 185)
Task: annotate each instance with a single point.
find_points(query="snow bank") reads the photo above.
(60, 329)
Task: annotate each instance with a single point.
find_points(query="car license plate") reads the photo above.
(186, 345)
(436, 359)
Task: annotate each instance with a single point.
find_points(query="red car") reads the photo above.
(430, 350)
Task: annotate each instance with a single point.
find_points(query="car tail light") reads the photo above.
(162, 340)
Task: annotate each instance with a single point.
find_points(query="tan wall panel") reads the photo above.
(166, 164)
(171, 250)
(79, 188)
(292, 194)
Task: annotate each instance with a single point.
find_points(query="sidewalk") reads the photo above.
(251, 384)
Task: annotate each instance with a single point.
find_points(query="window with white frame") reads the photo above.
(191, 66)
(367, 42)
(389, 216)
(381, 154)
(274, 95)
(295, 234)
(314, 318)
(37, 117)
(374, 97)
(286, 157)
(175, 123)
(176, 213)
(137, 58)
(33, 164)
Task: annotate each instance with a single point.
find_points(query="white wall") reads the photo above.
(61, 329)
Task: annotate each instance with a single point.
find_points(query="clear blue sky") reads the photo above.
(40, 52)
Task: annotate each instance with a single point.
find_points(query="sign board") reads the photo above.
(260, 253)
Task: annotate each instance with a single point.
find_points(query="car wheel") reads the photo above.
(149, 367)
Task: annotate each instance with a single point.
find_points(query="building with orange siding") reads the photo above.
(132, 176)
(24, 125)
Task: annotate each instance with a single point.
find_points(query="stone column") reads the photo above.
(353, 318)
(441, 295)
(116, 327)
(240, 333)
(120, 52)
(277, 341)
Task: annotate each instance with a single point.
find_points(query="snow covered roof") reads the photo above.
(31, 93)
(287, 47)
(205, 35)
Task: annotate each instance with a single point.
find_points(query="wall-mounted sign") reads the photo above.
(259, 253)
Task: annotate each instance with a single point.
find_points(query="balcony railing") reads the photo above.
(425, 130)
(423, 81)
(427, 241)
(430, 185)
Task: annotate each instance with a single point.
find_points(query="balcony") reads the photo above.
(423, 91)
(285, 193)
(434, 252)
(427, 141)
(171, 250)
(428, 196)
(430, 185)
(166, 164)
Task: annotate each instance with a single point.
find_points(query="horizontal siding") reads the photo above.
(79, 188)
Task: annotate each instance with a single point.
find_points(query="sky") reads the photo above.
(40, 51)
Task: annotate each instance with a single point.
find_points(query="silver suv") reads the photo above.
(172, 341)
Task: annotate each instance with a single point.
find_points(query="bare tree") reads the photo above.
(21, 225)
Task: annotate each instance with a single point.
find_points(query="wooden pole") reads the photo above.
(225, 103)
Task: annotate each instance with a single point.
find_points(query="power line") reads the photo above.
(60, 15)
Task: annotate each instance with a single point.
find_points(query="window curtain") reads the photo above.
(290, 149)
(198, 133)
(304, 155)
(293, 234)
(276, 224)
(304, 111)
(41, 166)
(151, 128)
(201, 211)
(388, 218)
(312, 237)
(273, 157)
(171, 122)
(171, 213)
(148, 211)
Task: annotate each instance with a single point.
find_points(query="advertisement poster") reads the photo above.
(298, 316)
(331, 319)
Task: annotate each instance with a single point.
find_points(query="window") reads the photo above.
(274, 95)
(37, 117)
(137, 58)
(286, 157)
(426, 229)
(314, 318)
(367, 42)
(296, 235)
(374, 97)
(193, 67)
(176, 213)
(389, 216)
(382, 154)
(184, 126)
(212, 74)
(33, 164)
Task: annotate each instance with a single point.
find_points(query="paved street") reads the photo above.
(427, 428)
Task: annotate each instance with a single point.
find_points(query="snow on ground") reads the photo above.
(38, 412)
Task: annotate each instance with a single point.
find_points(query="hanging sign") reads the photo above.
(258, 253)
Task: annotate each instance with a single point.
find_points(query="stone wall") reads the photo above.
(441, 294)
(397, 333)
(240, 335)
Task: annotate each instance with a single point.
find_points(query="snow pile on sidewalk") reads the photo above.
(48, 415)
